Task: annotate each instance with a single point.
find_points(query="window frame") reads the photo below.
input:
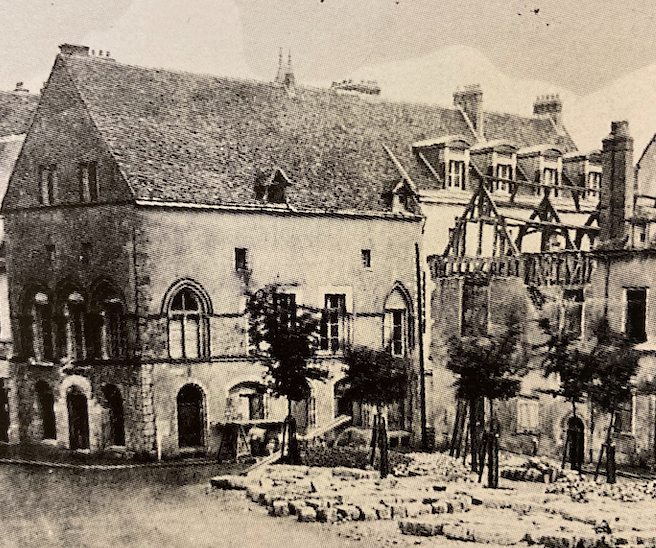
(332, 326)
(626, 316)
(48, 184)
(241, 259)
(503, 187)
(183, 317)
(42, 343)
(593, 190)
(74, 312)
(456, 172)
(365, 256)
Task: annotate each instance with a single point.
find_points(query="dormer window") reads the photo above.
(88, 182)
(272, 189)
(593, 184)
(550, 177)
(497, 160)
(456, 174)
(47, 184)
(447, 158)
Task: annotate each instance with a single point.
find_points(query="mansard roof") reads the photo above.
(200, 139)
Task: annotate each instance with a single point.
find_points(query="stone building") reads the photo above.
(143, 209)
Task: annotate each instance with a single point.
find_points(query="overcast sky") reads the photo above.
(577, 46)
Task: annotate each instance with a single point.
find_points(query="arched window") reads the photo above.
(188, 331)
(343, 404)
(246, 401)
(47, 410)
(75, 318)
(191, 416)
(38, 328)
(106, 325)
(398, 322)
(78, 419)
(116, 426)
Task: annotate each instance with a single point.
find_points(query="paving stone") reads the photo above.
(306, 514)
(440, 507)
(280, 508)
(368, 513)
(383, 512)
(295, 506)
(399, 511)
(457, 532)
(327, 515)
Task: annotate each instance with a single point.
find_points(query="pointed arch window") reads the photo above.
(75, 318)
(188, 330)
(398, 323)
(38, 330)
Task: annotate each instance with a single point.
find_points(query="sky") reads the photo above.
(419, 49)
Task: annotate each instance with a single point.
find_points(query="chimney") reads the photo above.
(20, 89)
(470, 100)
(280, 75)
(616, 201)
(550, 106)
(289, 79)
(70, 49)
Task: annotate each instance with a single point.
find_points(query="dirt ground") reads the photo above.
(62, 508)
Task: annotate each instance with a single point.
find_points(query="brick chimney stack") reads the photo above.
(71, 49)
(470, 100)
(550, 106)
(617, 183)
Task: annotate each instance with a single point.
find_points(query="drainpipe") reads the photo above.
(420, 326)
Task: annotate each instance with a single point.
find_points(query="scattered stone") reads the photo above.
(306, 514)
(280, 508)
(327, 515)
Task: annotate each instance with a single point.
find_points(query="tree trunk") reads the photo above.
(473, 437)
(607, 445)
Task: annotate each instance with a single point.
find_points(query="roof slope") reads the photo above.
(201, 139)
(16, 112)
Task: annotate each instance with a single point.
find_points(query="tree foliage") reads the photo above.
(489, 366)
(376, 377)
(285, 339)
(615, 362)
(568, 357)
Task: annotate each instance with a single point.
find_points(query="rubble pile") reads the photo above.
(534, 469)
(579, 489)
(350, 457)
(437, 465)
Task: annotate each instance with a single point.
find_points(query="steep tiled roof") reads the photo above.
(202, 139)
(525, 132)
(16, 111)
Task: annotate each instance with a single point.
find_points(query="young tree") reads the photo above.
(487, 366)
(376, 377)
(284, 339)
(615, 363)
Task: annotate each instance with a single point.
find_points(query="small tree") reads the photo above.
(615, 363)
(487, 366)
(285, 341)
(376, 377)
(566, 356)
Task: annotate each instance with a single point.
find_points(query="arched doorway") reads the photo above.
(78, 419)
(191, 416)
(47, 410)
(116, 426)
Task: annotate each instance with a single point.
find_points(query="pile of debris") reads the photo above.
(534, 469)
(350, 457)
(580, 489)
(436, 465)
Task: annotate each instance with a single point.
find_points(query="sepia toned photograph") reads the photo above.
(327, 273)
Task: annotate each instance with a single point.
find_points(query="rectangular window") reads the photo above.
(332, 322)
(572, 312)
(286, 305)
(241, 258)
(51, 253)
(551, 178)
(624, 418)
(456, 174)
(366, 258)
(593, 184)
(636, 314)
(88, 182)
(504, 171)
(398, 332)
(47, 184)
(474, 310)
(528, 415)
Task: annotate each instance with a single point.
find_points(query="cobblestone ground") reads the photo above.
(434, 496)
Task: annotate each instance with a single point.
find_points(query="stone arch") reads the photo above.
(78, 418)
(194, 286)
(398, 323)
(191, 413)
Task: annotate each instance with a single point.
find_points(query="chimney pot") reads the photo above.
(620, 129)
(72, 49)
(470, 100)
